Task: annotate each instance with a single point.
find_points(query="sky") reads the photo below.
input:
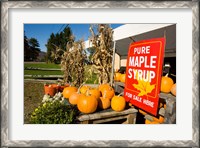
(42, 32)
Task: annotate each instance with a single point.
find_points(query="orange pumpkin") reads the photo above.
(61, 88)
(87, 104)
(94, 92)
(84, 89)
(160, 119)
(73, 99)
(151, 122)
(131, 105)
(161, 105)
(173, 89)
(104, 103)
(166, 84)
(67, 91)
(123, 78)
(108, 92)
(117, 76)
(142, 112)
(118, 103)
(103, 86)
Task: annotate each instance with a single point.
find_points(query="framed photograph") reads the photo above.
(182, 16)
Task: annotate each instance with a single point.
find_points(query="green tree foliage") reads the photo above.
(50, 47)
(91, 51)
(31, 49)
(34, 46)
(27, 50)
(57, 41)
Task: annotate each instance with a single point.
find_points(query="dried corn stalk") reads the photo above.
(102, 58)
(72, 63)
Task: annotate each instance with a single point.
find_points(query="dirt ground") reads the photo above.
(33, 94)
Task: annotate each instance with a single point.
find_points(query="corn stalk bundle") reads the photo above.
(102, 58)
(72, 63)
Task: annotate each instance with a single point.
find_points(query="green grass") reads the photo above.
(40, 72)
(92, 79)
(41, 65)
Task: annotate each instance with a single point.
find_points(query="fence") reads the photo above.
(42, 77)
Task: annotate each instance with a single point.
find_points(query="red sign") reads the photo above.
(143, 74)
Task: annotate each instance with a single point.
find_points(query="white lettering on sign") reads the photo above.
(139, 61)
(148, 103)
(139, 99)
(146, 75)
(142, 50)
(128, 95)
(130, 73)
(153, 61)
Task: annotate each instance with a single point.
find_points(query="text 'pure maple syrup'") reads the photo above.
(143, 74)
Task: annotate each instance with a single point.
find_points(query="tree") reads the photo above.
(90, 51)
(34, 46)
(55, 41)
(50, 47)
(27, 50)
(31, 48)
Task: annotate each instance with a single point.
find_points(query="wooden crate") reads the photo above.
(169, 112)
(109, 115)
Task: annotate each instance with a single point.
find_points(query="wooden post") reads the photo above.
(113, 63)
(131, 118)
(86, 122)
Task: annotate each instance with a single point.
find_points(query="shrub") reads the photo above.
(54, 113)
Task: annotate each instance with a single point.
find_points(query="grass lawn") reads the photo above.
(42, 65)
(41, 72)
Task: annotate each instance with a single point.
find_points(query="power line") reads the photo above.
(62, 27)
(67, 25)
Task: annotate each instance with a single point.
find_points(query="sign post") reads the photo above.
(143, 74)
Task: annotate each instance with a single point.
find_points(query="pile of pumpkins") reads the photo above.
(89, 99)
(168, 85)
(119, 77)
